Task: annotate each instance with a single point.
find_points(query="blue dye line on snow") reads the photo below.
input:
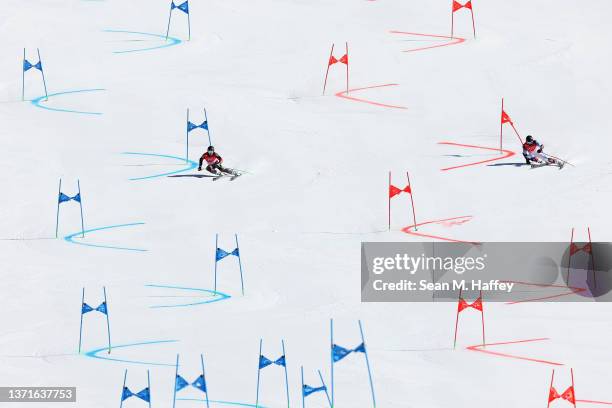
(219, 296)
(94, 353)
(70, 238)
(172, 41)
(237, 404)
(37, 102)
(192, 165)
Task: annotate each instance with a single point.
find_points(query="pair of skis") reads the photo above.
(551, 161)
(557, 163)
(231, 173)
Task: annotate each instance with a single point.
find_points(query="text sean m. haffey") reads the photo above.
(425, 285)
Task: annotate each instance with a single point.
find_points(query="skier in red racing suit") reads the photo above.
(533, 152)
(213, 160)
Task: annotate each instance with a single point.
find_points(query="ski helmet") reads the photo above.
(529, 139)
(210, 149)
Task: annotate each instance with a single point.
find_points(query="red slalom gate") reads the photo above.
(394, 191)
(333, 60)
(505, 118)
(462, 305)
(458, 6)
(568, 395)
(588, 249)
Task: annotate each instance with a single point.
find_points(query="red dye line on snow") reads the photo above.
(460, 220)
(454, 40)
(544, 285)
(344, 94)
(478, 347)
(594, 402)
(507, 153)
(454, 221)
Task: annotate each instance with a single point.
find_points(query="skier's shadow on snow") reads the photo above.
(194, 175)
(508, 164)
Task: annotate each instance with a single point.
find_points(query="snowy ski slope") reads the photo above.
(316, 188)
